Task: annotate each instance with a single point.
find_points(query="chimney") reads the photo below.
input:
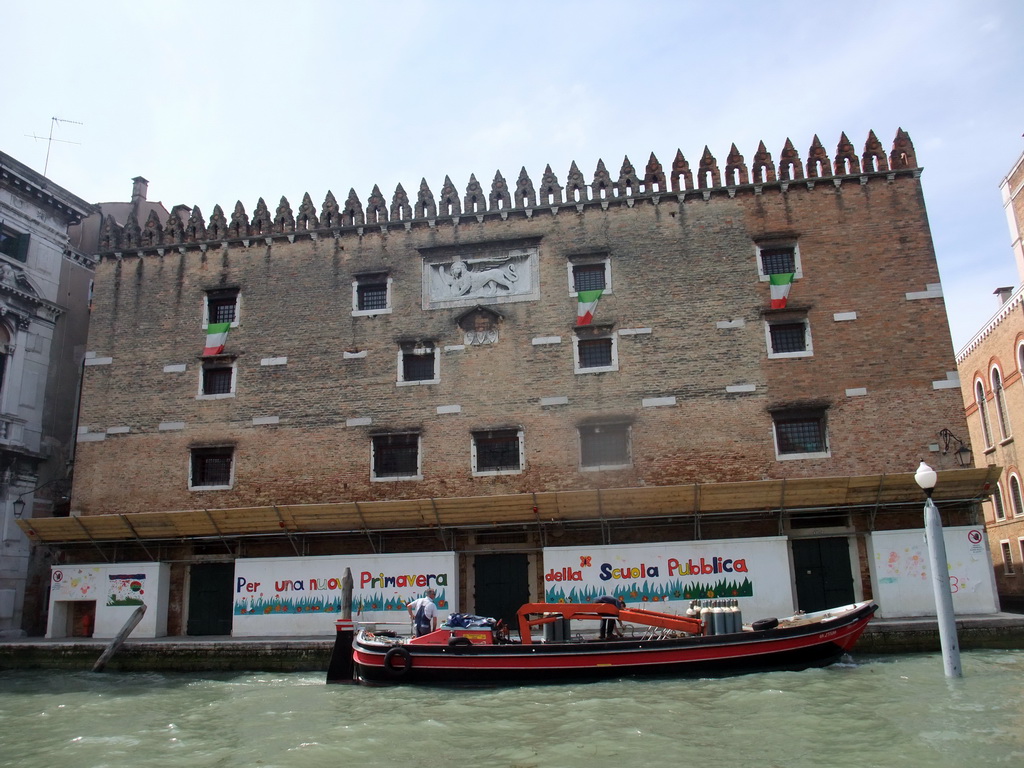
(1003, 293)
(139, 188)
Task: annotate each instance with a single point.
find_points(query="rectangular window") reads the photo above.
(604, 445)
(396, 457)
(222, 306)
(497, 451)
(14, 244)
(588, 277)
(212, 467)
(418, 365)
(371, 295)
(595, 352)
(217, 380)
(789, 338)
(800, 435)
(775, 261)
(1007, 558)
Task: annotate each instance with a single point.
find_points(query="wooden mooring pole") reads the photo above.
(117, 642)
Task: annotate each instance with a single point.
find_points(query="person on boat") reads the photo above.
(423, 613)
(608, 630)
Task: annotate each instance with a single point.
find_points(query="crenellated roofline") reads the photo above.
(521, 199)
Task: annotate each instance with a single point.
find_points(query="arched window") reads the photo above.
(997, 395)
(997, 503)
(1015, 498)
(979, 398)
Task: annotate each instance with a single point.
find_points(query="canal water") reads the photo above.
(875, 711)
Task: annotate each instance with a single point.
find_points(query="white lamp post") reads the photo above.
(939, 567)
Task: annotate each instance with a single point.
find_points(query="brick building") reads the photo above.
(417, 377)
(990, 368)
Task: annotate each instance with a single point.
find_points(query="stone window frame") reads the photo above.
(793, 416)
(366, 279)
(998, 507)
(589, 261)
(404, 349)
(14, 243)
(210, 364)
(588, 430)
(995, 376)
(1016, 497)
(210, 452)
(1007, 553)
(788, 318)
(214, 294)
(519, 434)
(597, 334)
(374, 439)
(980, 401)
(774, 245)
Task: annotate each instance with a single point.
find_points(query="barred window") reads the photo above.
(371, 294)
(1007, 558)
(418, 365)
(787, 338)
(396, 456)
(218, 380)
(211, 467)
(604, 445)
(595, 353)
(497, 450)
(222, 306)
(778, 261)
(589, 277)
(800, 433)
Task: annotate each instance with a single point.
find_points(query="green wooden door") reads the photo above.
(210, 599)
(502, 585)
(824, 578)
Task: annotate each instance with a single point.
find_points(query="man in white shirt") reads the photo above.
(423, 613)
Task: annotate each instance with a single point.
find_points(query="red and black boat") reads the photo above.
(658, 644)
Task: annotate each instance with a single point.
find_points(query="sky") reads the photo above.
(218, 101)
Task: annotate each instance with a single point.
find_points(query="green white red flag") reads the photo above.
(587, 305)
(780, 285)
(216, 338)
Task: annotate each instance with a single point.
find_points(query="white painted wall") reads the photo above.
(117, 590)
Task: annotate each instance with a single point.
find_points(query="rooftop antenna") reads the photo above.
(50, 139)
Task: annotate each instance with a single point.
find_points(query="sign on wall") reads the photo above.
(303, 595)
(754, 571)
(902, 584)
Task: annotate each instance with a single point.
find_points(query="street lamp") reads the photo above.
(939, 567)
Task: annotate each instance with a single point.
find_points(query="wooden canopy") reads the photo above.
(615, 504)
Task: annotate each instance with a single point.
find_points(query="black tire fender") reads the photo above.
(763, 624)
(459, 644)
(404, 664)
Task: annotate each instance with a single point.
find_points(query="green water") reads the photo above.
(881, 711)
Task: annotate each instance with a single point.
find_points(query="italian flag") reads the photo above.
(780, 284)
(588, 303)
(216, 335)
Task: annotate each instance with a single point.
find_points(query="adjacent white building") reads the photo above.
(45, 287)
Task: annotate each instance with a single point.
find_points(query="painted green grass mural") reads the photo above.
(324, 604)
(655, 593)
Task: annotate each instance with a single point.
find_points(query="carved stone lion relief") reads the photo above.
(483, 276)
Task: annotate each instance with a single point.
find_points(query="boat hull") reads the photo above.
(816, 643)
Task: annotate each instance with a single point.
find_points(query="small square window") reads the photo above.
(789, 338)
(418, 365)
(800, 435)
(589, 275)
(596, 353)
(371, 295)
(778, 259)
(498, 451)
(218, 380)
(396, 457)
(604, 446)
(222, 307)
(212, 467)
